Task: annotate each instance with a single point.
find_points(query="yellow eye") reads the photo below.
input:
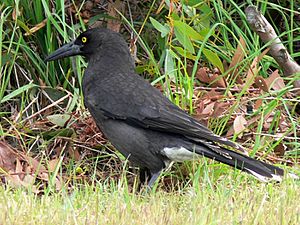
(84, 39)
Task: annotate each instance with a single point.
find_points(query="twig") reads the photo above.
(266, 32)
(49, 106)
(276, 136)
(224, 89)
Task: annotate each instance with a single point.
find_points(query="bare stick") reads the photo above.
(266, 32)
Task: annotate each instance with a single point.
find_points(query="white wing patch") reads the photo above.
(179, 154)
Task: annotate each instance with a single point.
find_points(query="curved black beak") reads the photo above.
(66, 50)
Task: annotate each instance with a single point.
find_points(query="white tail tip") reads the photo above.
(293, 176)
(274, 177)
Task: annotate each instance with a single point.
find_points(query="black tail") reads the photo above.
(261, 170)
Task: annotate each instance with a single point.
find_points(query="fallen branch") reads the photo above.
(266, 32)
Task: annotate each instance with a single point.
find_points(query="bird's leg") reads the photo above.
(154, 177)
(148, 178)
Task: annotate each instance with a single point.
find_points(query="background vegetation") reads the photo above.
(202, 55)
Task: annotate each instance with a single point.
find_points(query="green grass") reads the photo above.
(238, 201)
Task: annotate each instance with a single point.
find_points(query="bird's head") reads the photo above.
(87, 44)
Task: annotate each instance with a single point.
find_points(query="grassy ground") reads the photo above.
(238, 201)
(49, 144)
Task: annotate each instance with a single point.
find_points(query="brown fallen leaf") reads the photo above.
(275, 82)
(21, 178)
(16, 13)
(221, 108)
(238, 56)
(261, 83)
(213, 95)
(36, 166)
(254, 69)
(36, 27)
(239, 125)
(113, 8)
(213, 79)
(258, 103)
(74, 153)
(200, 107)
(15, 178)
(52, 164)
(230, 132)
(28, 180)
(7, 157)
(280, 149)
(252, 72)
(209, 109)
(58, 183)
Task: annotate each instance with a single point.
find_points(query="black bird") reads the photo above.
(145, 126)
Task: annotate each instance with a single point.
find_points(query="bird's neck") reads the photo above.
(107, 65)
(112, 59)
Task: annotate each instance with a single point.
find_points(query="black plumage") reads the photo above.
(138, 120)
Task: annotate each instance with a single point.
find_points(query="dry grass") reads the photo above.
(228, 201)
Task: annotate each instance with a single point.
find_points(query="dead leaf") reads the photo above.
(258, 103)
(74, 153)
(36, 27)
(213, 79)
(261, 83)
(280, 149)
(28, 180)
(238, 56)
(275, 81)
(214, 95)
(58, 183)
(200, 107)
(7, 157)
(15, 179)
(268, 121)
(21, 178)
(221, 108)
(252, 72)
(239, 125)
(19, 167)
(16, 13)
(202, 74)
(113, 8)
(44, 176)
(52, 164)
(36, 165)
(209, 109)
(230, 132)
